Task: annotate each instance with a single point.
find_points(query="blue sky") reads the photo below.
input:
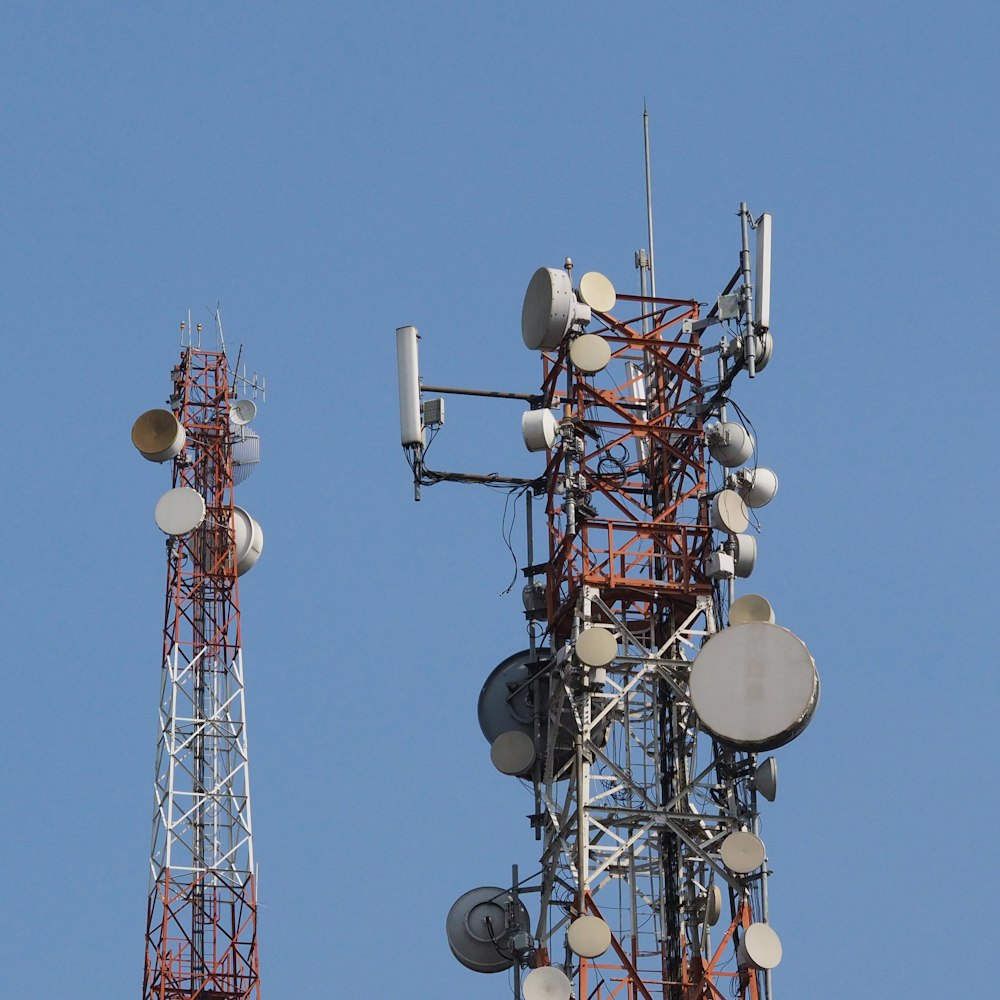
(328, 173)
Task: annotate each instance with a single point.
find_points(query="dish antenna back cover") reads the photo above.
(550, 309)
(480, 930)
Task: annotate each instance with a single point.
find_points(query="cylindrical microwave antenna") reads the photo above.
(410, 428)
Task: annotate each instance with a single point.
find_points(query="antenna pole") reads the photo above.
(649, 202)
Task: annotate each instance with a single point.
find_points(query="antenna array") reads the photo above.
(648, 691)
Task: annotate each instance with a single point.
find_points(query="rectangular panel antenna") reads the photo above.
(762, 296)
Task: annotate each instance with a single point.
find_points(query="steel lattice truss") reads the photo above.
(201, 939)
(633, 801)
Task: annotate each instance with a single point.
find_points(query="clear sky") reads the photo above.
(327, 172)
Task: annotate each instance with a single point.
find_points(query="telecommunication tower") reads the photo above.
(648, 692)
(201, 930)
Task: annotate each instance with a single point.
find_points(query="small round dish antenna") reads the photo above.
(158, 435)
(713, 905)
(765, 348)
(242, 411)
(539, 429)
(590, 353)
(765, 778)
(758, 487)
(729, 512)
(179, 511)
(546, 983)
(751, 608)
(743, 852)
(479, 928)
(513, 752)
(550, 310)
(597, 292)
(589, 937)
(759, 947)
(730, 443)
(754, 686)
(744, 554)
(249, 540)
(596, 647)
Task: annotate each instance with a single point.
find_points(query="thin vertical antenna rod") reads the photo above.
(649, 203)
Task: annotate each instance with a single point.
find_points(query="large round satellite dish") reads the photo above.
(597, 291)
(546, 983)
(729, 512)
(754, 686)
(249, 540)
(744, 554)
(505, 702)
(743, 852)
(550, 308)
(158, 435)
(179, 511)
(242, 411)
(760, 947)
(759, 486)
(479, 929)
(730, 443)
(539, 429)
(750, 608)
(596, 647)
(590, 353)
(513, 752)
(589, 937)
(766, 778)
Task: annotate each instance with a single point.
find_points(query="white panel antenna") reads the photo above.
(762, 280)
(410, 428)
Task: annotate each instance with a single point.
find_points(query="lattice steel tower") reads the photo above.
(201, 934)
(648, 691)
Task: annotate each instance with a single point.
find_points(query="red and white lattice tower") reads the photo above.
(201, 933)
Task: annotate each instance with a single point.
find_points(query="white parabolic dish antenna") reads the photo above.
(590, 353)
(179, 511)
(242, 412)
(546, 983)
(760, 947)
(589, 937)
(513, 752)
(597, 291)
(729, 512)
(754, 686)
(249, 540)
(596, 647)
(550, 308)
(743, 852)
(750, 608)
